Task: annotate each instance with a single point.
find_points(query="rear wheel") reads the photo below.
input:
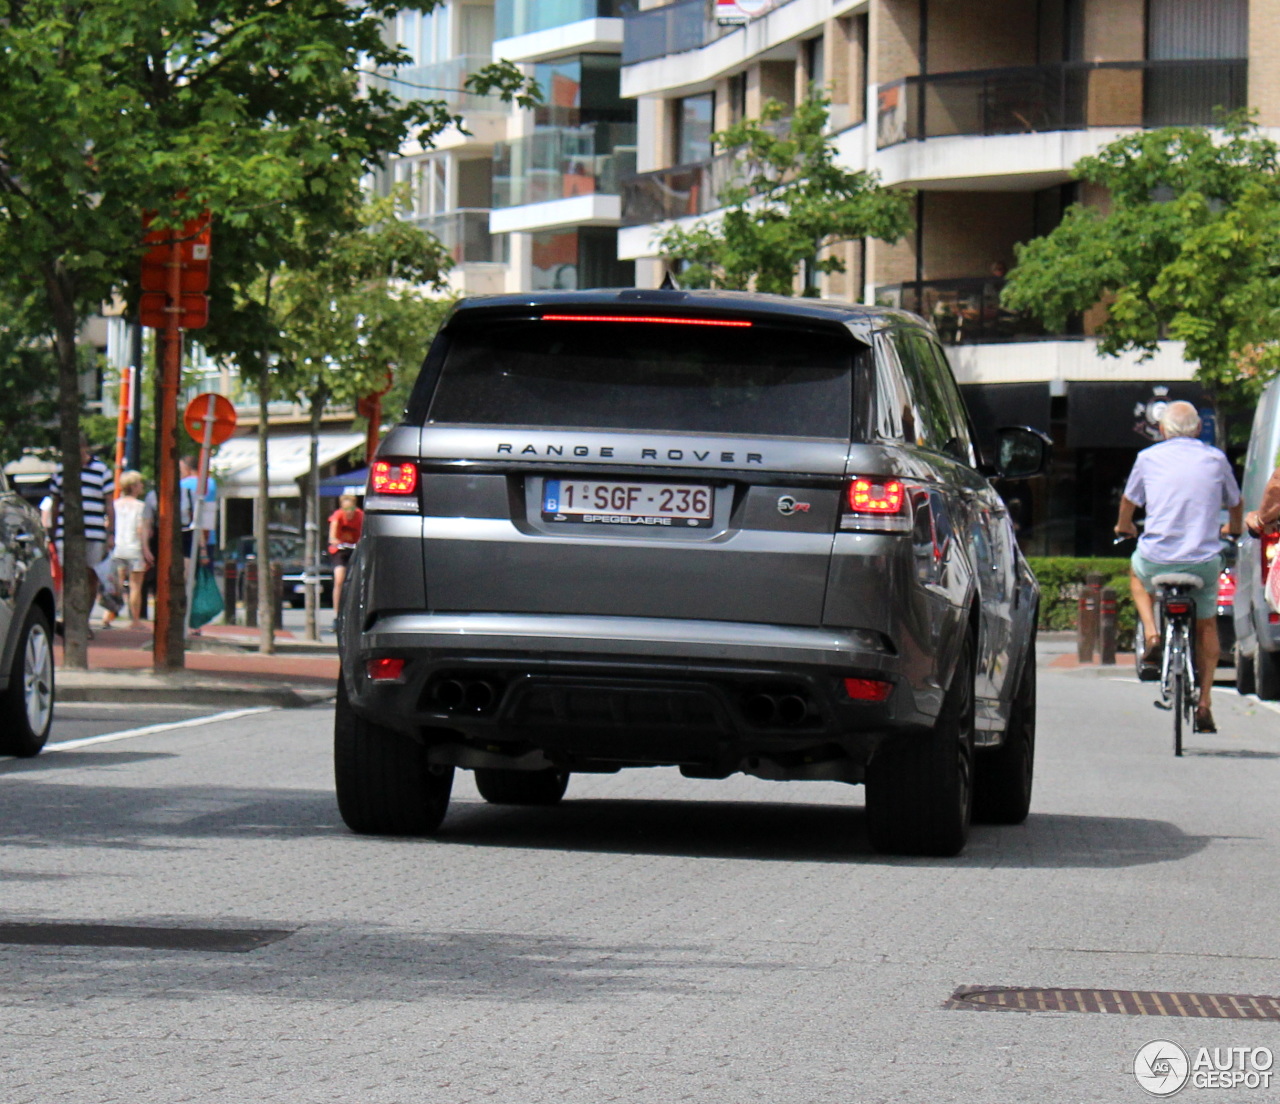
(1002, 778)
(1244, 671)
(920, 788)
(513, 787)
(385, 784)
(1181, 707)
(26, 707)
(1266, 674)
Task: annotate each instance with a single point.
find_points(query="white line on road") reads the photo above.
(168, 726)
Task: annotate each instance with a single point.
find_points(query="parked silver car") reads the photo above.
(720, 531)
(26, 627)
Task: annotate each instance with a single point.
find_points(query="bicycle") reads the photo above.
(1176, 611)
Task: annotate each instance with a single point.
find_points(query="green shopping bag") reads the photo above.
(206, 602)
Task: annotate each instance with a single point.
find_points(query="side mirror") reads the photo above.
(1023, 452)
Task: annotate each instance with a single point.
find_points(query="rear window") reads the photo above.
(764, 381)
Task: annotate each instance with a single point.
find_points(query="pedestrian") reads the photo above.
(1183, 484)
(206, 517)
(97, 488)
(345, 525)
(132, 556)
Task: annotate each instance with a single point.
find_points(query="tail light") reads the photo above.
(1178, 606)
(385, 669)
(868, 690)
(386, 477)
(1227, 587)
(876, 503)
(1267, 544)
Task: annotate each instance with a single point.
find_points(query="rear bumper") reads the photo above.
(630, 690)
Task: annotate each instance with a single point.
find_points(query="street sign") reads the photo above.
(196, 415)
(195, 310)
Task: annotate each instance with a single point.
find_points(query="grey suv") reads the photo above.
(721, 531)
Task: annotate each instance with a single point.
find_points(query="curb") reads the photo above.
(230, 696)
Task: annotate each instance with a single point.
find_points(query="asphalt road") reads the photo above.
(652, 939)
(80, 720)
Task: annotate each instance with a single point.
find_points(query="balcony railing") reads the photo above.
(670, 29)
(560, 162)
(465, 234)
(677, 192)
(1066, 96)
(521, 17)
(965, 311)
(442, 80)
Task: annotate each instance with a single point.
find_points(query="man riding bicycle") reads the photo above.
(1183, 483)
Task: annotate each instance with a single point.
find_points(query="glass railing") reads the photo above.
(965, 311)
(442, 80)
(465, 234)
(678, 192)
(670, 29)
(1066, 96)
(521, 17)
(560, 162)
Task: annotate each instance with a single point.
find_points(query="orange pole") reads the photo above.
(122, 423)
(165, 655)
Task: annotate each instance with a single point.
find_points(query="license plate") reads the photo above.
(678, 505)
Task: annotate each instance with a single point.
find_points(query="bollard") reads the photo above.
(277, 595)
(251, 594)
(230, 584)
(1087, 619)
(1107, 626)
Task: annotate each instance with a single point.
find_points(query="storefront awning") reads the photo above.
(235, 464)
(352, 482)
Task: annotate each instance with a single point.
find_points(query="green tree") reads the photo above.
(1187, 247)
(248, 108)
(787, 201)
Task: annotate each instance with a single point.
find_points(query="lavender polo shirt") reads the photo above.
(1184, 484)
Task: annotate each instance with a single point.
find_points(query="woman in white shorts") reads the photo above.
(131, 555)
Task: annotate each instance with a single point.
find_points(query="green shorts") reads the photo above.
(1206, 597)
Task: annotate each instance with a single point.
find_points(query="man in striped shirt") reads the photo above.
(97, 492)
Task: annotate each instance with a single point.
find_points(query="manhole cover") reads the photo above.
(227, 940)
(1123, 1002)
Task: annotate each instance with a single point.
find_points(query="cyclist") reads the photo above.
(345, 525)
(1183, 483)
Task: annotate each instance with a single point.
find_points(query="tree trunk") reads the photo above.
(261, 523)
(76, 594)
(311, 527)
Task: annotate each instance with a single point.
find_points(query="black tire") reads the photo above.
(1003, 777)
(1266, 674)
(920, 787)
(26, 706)
(1181, 707)
(1244, 671)
(513, 787)
(385, 785)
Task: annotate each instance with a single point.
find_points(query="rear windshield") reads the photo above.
(759, 381)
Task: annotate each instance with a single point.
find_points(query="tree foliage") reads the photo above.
(788, 200)
(1188, 249)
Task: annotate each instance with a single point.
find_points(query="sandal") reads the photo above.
(1150, 669)
(1204, 720)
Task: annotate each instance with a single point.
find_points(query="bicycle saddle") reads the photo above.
(1178, 578)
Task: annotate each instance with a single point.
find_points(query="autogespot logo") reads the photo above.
(1161, 1068)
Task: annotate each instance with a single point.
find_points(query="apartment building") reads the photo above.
(981, 109)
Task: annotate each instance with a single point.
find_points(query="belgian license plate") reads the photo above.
(678, 505)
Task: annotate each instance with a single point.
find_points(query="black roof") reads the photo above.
(859, 319)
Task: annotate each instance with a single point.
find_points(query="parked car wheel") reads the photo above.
(1003, 777)
(385, 784)
(920, 788)
(512, 787)
(1244, 671)
(26, 707)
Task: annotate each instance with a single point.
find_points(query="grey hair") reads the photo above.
(1180, 419)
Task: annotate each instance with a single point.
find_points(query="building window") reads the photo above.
(585, 258)
(815, 59)
(695, 120)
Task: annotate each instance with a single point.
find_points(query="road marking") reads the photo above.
(168, 726)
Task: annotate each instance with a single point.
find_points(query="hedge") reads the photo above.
(1061, 579)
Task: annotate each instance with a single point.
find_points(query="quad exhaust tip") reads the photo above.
(775, 710)
(464, 695)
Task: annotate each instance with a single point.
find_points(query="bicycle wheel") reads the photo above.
(1181, 689)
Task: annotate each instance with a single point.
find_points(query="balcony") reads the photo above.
(513, 18)
(678, 192)
(1066, 96)
(442, 80)
(560, 162)
(964, 311)
(465, 234)
(670, 29)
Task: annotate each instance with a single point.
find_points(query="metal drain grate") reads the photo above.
(226, 940)
(1123, 1002)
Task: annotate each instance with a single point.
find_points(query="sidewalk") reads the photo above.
(222, 669)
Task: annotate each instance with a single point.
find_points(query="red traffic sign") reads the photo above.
(153, 310)
(195, 417)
